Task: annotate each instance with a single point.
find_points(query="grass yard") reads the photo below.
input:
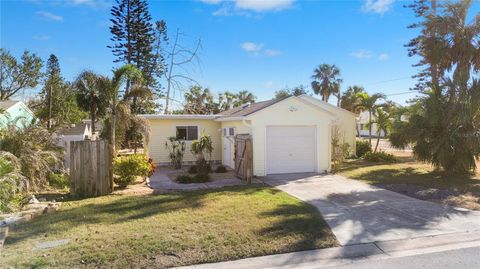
(157, 231)
(418, 180)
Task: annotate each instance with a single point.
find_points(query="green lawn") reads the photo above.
(152, 231)
(463, 190)
(407, 172)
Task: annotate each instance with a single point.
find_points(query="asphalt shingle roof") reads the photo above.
(7, 104)
(246, 110)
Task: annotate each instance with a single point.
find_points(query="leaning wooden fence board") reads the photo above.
(90, 168)
(243, 157)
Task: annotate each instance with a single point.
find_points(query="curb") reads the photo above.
(346, 254)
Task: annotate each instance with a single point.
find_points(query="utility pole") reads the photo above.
(49, 124)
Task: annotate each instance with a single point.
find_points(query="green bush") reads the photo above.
(58, 180)
(362, 147)
(128, 167)
(13, 185)
(221, 169)
(187, 179)
(193, 169)
(379, 156)
(200, 178)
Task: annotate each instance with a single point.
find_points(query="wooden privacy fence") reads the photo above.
(243, 157)
(91, 168)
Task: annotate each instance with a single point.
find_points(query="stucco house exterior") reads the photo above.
(289, 135)
(75, 132)
(362, 123)
(17, 112)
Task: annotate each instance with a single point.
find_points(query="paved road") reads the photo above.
(467, 258)
(360, 213)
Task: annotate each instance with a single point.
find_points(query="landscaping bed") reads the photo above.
(158, 231)
(417, 180)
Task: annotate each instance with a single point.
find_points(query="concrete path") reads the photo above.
(360, 213)
(160, 181)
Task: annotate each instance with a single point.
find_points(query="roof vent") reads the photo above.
(245, 105)
(72, 125)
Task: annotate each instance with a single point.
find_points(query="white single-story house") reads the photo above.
(289, 135)
(75, 132)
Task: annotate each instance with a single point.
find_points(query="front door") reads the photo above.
(227, 152)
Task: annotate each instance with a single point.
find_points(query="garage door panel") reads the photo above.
(290, 149)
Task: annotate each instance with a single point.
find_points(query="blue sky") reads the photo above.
(260, 46)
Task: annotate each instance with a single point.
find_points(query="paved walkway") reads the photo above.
(160, 181)
(360, 213)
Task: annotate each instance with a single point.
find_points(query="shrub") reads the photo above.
(199, 148)
(153, 167)
(193, 169)
(221, 169)
(362, 147)
(36, 150)
(187, 179)
(200, 178)
(184, 179)
(176, 150)
(58, 180)
(379, 156)
(128, 167)
(13, 185)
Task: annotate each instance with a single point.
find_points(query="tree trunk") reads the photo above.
(112, 127)
(376, 146)
(370, 127)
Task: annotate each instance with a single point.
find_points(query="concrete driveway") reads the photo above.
(360, 213)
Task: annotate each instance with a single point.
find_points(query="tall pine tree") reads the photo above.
(134, 39)
(58, 105)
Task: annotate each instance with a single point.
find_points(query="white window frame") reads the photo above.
(188, 125)
(226, 131)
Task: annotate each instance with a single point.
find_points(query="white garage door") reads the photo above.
(290, 149)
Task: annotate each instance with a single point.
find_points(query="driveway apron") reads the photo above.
(361, 213)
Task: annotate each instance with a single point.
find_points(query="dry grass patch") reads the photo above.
(157, 231)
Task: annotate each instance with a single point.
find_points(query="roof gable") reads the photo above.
(326, 105)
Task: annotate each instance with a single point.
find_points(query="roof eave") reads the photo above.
(230, 118)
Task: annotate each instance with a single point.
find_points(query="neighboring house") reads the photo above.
(362, 123)
(76, 132)
(15, 112)
(289, 135)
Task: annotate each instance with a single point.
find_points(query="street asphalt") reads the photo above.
(467, 258)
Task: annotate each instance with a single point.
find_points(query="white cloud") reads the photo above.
(383, 57)
(377, 6)
(269, 84)
(251, 47)
(272, 52)
(223, 11)
(211, 2)
(362, 54)
(263, 5)
(49, 16)
(41, 37)
(243, 7)
(257, 49)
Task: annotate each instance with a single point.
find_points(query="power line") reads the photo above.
(390, 80)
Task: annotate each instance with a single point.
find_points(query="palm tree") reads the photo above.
(383, 121)
(244, 97)
(369, 103)
(350, 100)
(90, 96)
(120, 76)
(326, 81)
